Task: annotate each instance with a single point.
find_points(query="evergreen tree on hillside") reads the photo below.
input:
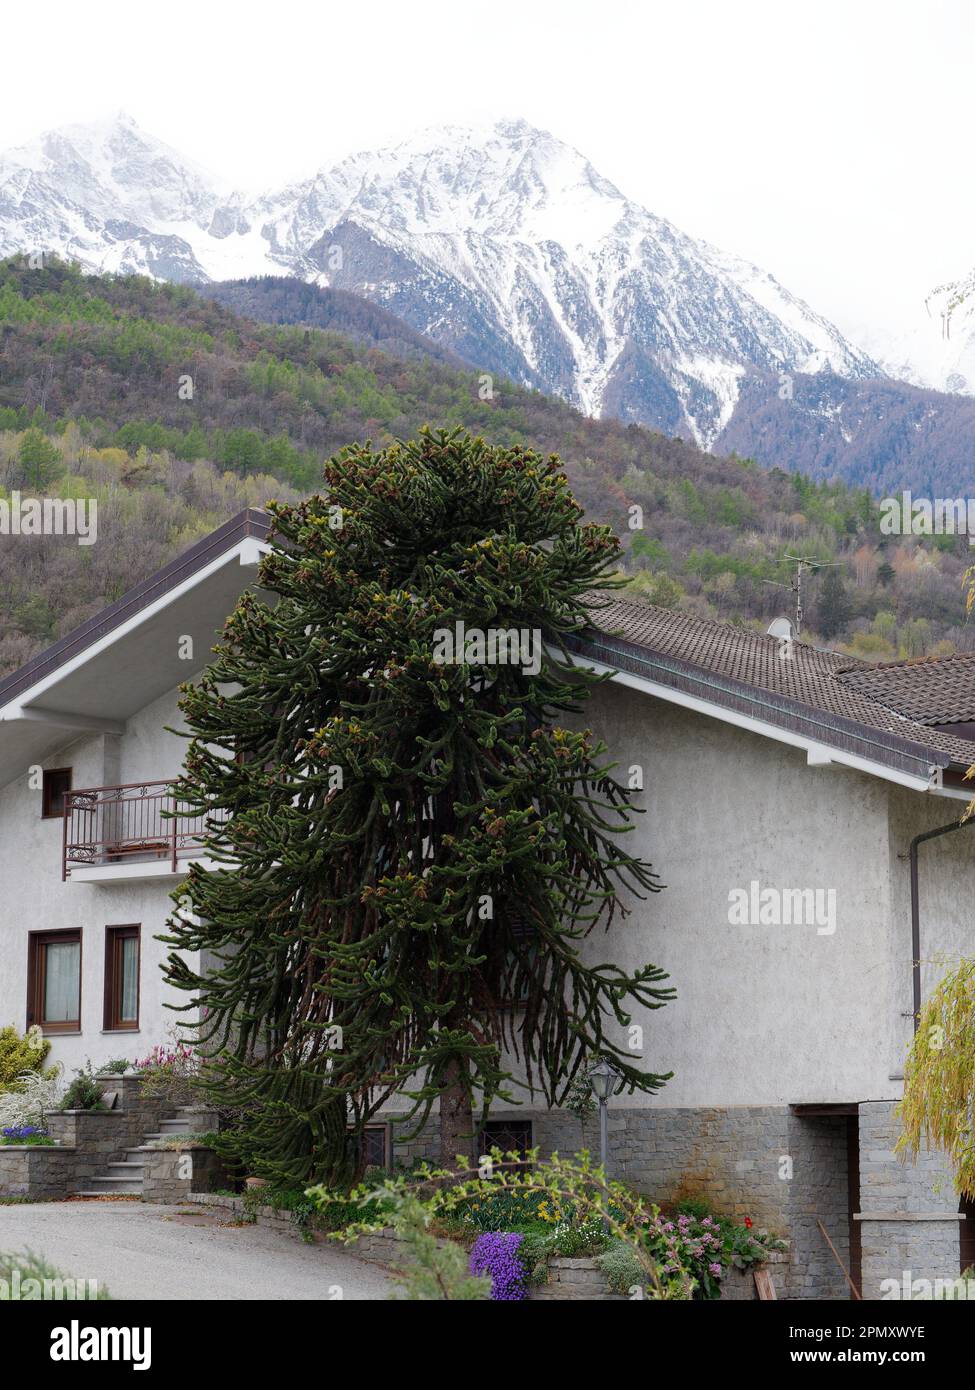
(835, 608)
(419, 844)
(40, 462)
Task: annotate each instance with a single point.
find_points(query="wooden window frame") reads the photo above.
(37, 943)
(46, 812)
(386, 1128)
(111, 1022)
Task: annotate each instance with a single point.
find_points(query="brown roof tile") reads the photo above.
(819, 693)
(934, 690)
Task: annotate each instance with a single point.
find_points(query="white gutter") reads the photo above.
(818, 754)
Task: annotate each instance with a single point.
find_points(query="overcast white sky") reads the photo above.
(829, 142)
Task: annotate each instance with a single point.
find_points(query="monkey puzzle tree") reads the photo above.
(416, 845)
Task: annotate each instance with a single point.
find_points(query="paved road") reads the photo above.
(138, 1250)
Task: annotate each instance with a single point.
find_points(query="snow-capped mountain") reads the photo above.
(502, 244)
(935, 346)
(944, 348)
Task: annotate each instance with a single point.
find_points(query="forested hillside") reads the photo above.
(175, 413)
(283, 299)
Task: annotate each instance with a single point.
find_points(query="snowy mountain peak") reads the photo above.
(501, 242)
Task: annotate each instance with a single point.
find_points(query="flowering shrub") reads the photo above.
(506, 1209)
(163, 1058)
(741, 1246)
(687, 1249)
(571, 1238)
(25, 1134)
(37, 1092)
(168, 1072)
(563, 1207)
(496, 1253)
(19, 1055)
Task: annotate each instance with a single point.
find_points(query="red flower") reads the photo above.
(748, 1222)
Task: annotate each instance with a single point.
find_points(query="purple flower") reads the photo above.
(715, 1269)
(496, 1253)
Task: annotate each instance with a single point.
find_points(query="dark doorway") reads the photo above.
(853, 1195)
(966, 1234)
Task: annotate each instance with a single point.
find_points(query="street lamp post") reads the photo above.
(602, 1079)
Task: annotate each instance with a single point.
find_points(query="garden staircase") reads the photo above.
(124, 1178)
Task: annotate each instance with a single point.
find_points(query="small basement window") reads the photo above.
(507, 1135)
(375, 1145)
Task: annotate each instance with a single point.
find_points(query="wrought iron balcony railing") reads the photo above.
(126, 824)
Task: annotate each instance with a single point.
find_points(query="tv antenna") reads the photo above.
(802, 563)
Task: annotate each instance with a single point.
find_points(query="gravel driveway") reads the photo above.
(140, 1250)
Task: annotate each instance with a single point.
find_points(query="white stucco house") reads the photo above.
(803, 811)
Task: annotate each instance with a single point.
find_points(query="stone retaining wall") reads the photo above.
(576, 1279)
(86, 1142)
(36, 1171)
(172, 1175)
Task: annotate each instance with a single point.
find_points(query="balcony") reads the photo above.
(128, 833)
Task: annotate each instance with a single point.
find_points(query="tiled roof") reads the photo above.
(935, 690)
(898, 714)
(817, 693)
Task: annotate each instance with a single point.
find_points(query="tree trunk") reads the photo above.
(456, 1119)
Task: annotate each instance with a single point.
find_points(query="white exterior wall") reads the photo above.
(770, 1015)
(764, 1015)
(34, 898)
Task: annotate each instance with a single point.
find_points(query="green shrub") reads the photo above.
(533, 1253)
(573, 1239)
(507, 1209)
(335, 1211)
(83, 1092)
(622, 1269)
(118, 1066)
(20, 1054)
(696, 1207)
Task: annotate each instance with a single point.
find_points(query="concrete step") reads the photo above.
(183, 1125)
(131, 1186)
(89, 1192)
(124, 1168)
